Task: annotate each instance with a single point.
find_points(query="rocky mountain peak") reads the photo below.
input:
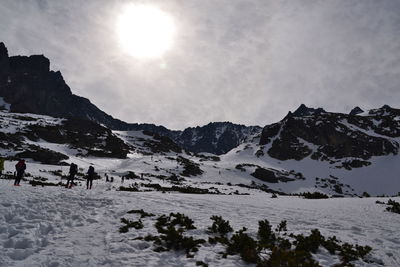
(385, 110)
(355, 111)
(3, 60)
(31, 64)
(3, 50)
(303, 110)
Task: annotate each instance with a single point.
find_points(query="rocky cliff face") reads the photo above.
(217, 138)
(28, 84)
(331, 136)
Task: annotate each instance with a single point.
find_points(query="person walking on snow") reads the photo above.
(90, 177)
(20, 167)
(1, 166)
(73, 170)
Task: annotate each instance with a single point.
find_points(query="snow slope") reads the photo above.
(52, 226)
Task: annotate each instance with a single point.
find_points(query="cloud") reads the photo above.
(246, 61)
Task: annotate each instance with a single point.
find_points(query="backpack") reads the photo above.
(91, 170)
(20, 166)
(73, 168)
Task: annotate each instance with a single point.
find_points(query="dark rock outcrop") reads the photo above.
(42, 155)
(28, 84)
(331, 136)
(86, 136)
(355, 111)
(217, 137)
(303, 110)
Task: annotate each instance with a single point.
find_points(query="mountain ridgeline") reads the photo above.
(331, 137)
(29, 86)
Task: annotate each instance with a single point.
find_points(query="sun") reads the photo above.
(145, 31)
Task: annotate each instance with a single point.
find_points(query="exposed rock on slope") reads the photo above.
(28, 84)
(217, 138)
(330, 136)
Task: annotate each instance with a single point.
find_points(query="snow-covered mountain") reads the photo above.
(220, 169)
(309, 149)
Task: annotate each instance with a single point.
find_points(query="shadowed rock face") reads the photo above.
(356, 111)
(85, 135)
(28, 84)
(216, 137)
(303, 110)
(327, 136)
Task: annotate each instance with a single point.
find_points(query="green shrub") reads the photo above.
(201, 263)
(365, 194)
(129, 189)
(314, 195)
(393, 206)
(309, 243)
(244, 245)
(220, 226)
(39, 183)
(142, 213)
(172, 237)
(130, 224)
(282, 227)
(349, 252)
(288, 258)
(265, 235)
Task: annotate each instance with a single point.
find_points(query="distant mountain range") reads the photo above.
(310, 148)
(29, 86)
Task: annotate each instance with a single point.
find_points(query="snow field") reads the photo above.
(52, 226)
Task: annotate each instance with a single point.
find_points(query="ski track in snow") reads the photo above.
(51, 226)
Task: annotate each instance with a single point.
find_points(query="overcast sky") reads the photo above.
(245, 61)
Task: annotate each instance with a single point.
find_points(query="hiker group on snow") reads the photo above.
(20, 168)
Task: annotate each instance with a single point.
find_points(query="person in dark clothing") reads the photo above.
(90, 177)
(1, 166)
(20, 168)
(73, 170)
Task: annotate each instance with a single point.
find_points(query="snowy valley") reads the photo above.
(181, 198)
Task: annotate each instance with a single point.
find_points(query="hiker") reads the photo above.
(90, 177)
(122, 179)
(20, 167)
(1, 166)
(73, 170)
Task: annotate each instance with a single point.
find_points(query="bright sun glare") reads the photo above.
(145, 31)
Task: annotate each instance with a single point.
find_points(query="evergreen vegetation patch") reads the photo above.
(314, 195)
(130, 224)
(268, 248)
(393, 206)
(142, 213)
(41, 183)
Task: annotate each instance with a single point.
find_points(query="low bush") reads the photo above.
(286, 250)
(314, 195)
(130, 224)
(40, 183)
(241, 243)
(393, 206)
(265, 234)
(129, 189)
(219, 226)
(142, 213)
(171, 229)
